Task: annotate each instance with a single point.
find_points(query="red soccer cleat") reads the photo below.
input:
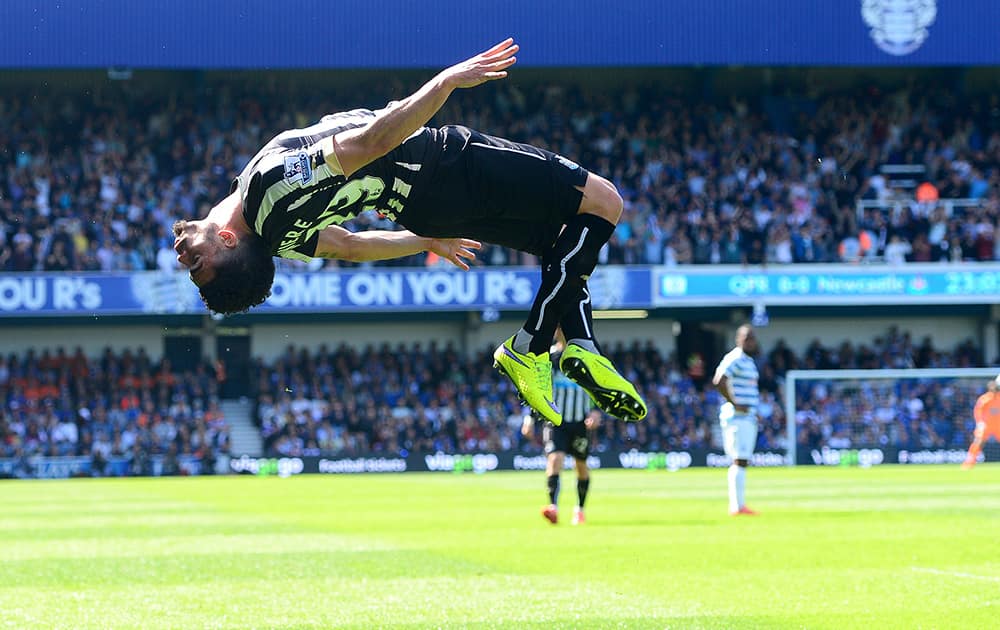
(743, 511)
(578, 517)
(551, 513)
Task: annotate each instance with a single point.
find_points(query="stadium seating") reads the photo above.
(341, 401)
(58, 403)
(414, 399)
(94, 181)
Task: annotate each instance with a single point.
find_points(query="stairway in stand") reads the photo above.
(244, 435)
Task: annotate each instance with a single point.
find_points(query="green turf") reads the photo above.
(892, 547)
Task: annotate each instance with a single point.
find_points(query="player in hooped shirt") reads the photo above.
(736, 378)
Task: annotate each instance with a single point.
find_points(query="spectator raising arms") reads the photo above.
(106, 173)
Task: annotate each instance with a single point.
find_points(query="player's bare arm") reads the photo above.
(350, 150)
(721, 382)
(336, 242)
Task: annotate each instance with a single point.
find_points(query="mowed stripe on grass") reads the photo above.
(838, 548)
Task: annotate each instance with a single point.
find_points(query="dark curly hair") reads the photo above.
(243, 277)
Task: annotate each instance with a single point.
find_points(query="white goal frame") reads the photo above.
(794, 376)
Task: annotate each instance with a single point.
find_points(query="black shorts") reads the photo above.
(494, 190)
(568, 437)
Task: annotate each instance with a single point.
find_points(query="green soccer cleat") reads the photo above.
(608, 389)
(532, 376)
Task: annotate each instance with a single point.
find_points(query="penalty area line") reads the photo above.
(971, 576)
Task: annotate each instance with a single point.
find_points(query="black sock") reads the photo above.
(554, 489)
(582, 485)
(578, 322)
(565, 269)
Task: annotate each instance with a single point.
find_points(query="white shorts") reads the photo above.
(739, 437)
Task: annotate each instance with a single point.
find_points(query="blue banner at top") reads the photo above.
(401, 34)
(508, 289)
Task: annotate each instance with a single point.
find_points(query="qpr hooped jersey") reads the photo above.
(741, 370)
(290, 193)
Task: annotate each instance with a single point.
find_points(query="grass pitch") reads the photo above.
(891, 547)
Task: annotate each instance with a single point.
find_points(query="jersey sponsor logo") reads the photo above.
(298, 169)
(350, 194)
(570, 164)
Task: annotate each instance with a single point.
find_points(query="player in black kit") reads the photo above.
(451, 188)
(580, 418)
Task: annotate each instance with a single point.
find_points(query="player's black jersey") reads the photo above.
(290, 193)
(441, 183)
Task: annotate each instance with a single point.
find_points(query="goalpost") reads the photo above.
(865, 413)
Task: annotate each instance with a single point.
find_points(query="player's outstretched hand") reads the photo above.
(455, 249)
(488, 65)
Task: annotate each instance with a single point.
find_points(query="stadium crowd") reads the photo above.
(93, 181)
(426, 399)
(112, 406)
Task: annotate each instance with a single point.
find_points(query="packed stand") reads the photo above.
(93, 181)
(417, 399)
(108, 407)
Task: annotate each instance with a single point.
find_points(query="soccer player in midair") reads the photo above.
(450, 187)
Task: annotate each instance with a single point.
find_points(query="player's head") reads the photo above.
(747, 340)
(233, 272)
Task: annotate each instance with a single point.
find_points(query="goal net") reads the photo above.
(869, 417)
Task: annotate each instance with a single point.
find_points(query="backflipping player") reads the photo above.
(987, 415)
(572, 436)
(736, 379)
(452, 187)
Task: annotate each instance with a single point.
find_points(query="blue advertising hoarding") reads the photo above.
(509, 289)
(399, 34)
(797, 285)
(343, 291)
